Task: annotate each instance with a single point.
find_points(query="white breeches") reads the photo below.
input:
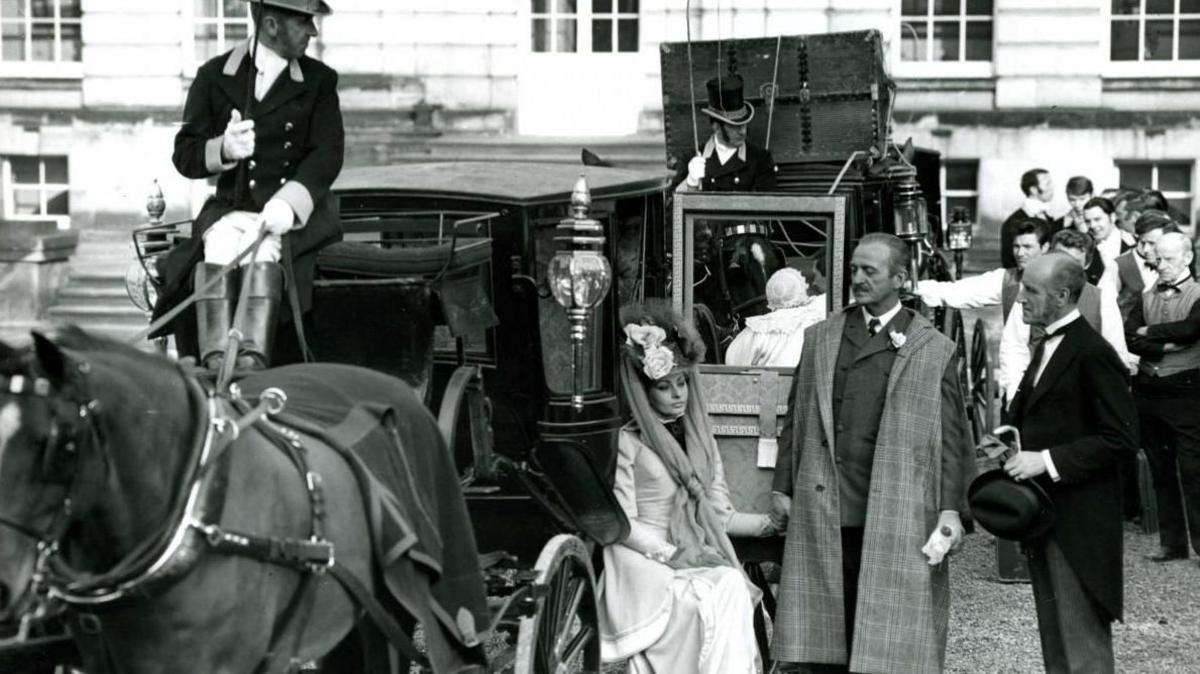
(235, 232)
(711, 630)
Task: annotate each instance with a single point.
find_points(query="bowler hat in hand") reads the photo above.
(725, 101)
(1011, 510)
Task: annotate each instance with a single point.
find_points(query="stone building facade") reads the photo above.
(90, 90)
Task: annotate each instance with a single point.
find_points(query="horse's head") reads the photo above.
(750, 260)
(42, 421)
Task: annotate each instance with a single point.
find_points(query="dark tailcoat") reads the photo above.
(1082, 411)
(750, 169)
(299, 143)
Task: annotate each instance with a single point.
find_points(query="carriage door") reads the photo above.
(579, 71)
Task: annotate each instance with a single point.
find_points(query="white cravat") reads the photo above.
(269, 66)
(724, 152)
(1110, 247)
(1034, 208)
(1054, 338)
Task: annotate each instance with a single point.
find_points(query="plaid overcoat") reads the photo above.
(903, 603)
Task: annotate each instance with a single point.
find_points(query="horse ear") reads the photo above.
(52, 359)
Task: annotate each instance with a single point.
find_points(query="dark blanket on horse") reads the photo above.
(424, 542)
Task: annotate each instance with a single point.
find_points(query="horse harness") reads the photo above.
(168, 557)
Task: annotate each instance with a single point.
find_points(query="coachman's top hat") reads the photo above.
(725, 101)
(1008, 509)
(309, 7)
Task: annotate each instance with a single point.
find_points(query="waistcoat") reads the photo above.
(1167, 307)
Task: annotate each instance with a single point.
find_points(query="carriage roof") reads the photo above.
(525, 183)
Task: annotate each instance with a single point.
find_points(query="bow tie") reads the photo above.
(1167, 287)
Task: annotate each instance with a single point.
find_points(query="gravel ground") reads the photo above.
(993, 628)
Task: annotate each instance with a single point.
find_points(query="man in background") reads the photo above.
(1079, 192)
(1038, 189)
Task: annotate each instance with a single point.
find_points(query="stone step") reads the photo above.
(118, 331)
(96, 279)
(110, 295)
(86, 315)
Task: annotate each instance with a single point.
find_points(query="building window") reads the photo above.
(960, 188)
(946, 30)
(1173, 179)
(36, 188)
(608, 26)
(40, 30)
(217, 26)
(1155, 30)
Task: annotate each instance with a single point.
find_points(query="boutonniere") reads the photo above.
(898, 339)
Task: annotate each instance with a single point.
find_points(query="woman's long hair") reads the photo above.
(694, 523)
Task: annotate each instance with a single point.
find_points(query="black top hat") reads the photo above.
(1012, 510)
(309, 7)
(725, 101)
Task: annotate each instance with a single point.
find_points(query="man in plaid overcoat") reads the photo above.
(872, 470)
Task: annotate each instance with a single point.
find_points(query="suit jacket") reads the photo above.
(1008, 232)
(750, 169)
(1081, 410)
(903, 603)
(299, 147)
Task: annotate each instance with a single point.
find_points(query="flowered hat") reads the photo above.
(658, 340)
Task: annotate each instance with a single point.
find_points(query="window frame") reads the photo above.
(191, 21)
(948, 194)
(1143, 68)
(929, 68)
(1154, 165)
(584, 18)
(53, 69)
(10, 188)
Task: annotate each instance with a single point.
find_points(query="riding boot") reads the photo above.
(260, 314)
(214, 313)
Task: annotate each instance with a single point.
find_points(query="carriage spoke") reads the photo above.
(578, 586)
(574, 650)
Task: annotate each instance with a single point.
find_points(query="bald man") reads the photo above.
(1077, 422)
(1163, 330)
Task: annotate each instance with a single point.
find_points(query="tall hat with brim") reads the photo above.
(1011, 510)
(725, 101)
(310, 7)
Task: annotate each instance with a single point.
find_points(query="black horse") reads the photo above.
(731, 265)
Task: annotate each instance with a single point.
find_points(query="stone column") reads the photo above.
(34, 265)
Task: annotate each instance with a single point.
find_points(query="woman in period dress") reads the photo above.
(673, 597)
(776, 338)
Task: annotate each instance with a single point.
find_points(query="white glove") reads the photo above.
(696, 171)
(277, 217)
(238, 141)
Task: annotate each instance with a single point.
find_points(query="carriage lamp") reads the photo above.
(959, 236)
(911, 223)
(579, 275)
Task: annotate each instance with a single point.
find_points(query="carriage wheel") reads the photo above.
(563, 634)
(981, 391)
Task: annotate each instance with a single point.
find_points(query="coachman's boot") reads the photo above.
(261, 314)
(214, 313)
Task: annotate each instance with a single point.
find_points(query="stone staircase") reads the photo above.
(94, 297)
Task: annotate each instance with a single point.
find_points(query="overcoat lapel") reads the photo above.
(834, 328)
(1060, 360)
(235, 76)
(236, 82)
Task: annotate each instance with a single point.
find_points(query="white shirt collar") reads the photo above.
(1055, 328)
(1033, 207)
(885, 318)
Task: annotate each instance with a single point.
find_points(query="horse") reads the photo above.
(123, 484)
(731, 265)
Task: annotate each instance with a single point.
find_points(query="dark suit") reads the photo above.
(299, 143)
(750, 169)
(1081, 410)
(1008, 232)
(1132, 286)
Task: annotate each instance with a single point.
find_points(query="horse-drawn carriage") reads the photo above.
(486, 288)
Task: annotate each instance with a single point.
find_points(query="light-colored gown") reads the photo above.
(775, 339)
(665, 620)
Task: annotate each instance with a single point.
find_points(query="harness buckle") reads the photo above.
(275, 400)
(319, 568)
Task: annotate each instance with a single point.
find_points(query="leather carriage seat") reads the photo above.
(403, 258)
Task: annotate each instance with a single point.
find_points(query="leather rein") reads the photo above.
(173, 553)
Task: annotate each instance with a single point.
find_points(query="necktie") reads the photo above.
(874, 326)
(1035, 362)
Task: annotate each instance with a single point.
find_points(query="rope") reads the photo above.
(687, 17)
(774, 91)
(720, 87)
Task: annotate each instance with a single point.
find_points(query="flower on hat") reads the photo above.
(657, 360)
